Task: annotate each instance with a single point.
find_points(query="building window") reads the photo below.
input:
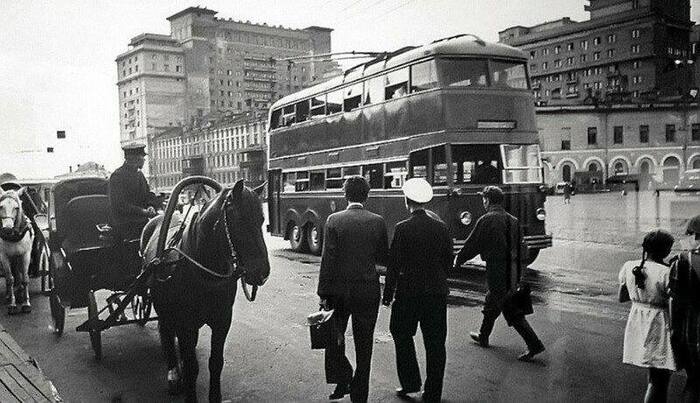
(634, 48)
(596, 41)
(695, 132)
(570, 46)
(545, 51)
(592, 135)
(596, 56)
(670, 133)
(557, 49)
(636, 65)
(533, 66)
(533, 53)
(582, 58)
(178, 69)
(617, 134)
(557, 63)
(566, 144)
(643, 133)
(229, 72)
(611, 52)
(636, 79)
(635, 33)
(612, 38)
(544, 66)
(166, 67)
(569, 61)
(584, 44)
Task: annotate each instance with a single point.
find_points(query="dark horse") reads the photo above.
(221, 244)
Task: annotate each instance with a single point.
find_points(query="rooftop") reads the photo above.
(189, 10)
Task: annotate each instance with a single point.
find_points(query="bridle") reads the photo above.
(233, 263)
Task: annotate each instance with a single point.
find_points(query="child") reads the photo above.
(648, 333)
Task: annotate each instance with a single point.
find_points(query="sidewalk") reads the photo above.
(21, 379)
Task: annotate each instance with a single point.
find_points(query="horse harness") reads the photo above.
(21, 226)
(234, 267)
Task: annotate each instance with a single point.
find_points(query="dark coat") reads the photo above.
(355, 241)
(496, 237)
(129, 195)
(419, 258)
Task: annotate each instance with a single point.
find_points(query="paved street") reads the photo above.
(268, 356)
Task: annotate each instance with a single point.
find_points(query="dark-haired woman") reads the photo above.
(685, 311)
(648, 332)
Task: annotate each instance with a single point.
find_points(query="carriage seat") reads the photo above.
(85, 219)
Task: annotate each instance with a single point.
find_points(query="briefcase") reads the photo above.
(322, 329)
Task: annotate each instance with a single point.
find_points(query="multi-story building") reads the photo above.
(655, 142)
(208, 65)
(152, 86)
(629, 50)
(226, 150)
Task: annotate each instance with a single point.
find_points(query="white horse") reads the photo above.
(16, 240)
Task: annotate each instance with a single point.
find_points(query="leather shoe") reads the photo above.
(340, 391)
(483, 342)
(528, 355)
(403, 393)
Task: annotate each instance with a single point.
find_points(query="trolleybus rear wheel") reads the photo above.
(297, 240)
(95, 335)
(313, 239)
(58, 312)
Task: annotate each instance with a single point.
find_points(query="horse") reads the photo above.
(16, 240)
(222, 243)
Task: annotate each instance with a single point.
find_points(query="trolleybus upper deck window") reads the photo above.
(423, 76)
(374, 90)
(353, 97)
(276, 119)
(454, 72)
(396, 84)
(508, 74)
(395, 175)
(334, 102)
(318, 105)
(289, 115)
(419, 164)
(334, 178)
(302, 111)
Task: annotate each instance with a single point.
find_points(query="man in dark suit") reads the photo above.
(419, 259)
(496, 237)
(130, 198)
(355, 240)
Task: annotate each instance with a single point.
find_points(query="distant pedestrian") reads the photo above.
(496, 237)
(647, 334)
(419, 259)
(685, 311)
(567, 192)
(355, 240)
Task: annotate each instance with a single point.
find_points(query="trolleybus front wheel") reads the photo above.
(314, 240)
(297, 240)
(95, 334)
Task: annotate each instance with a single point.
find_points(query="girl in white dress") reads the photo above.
(648, 331)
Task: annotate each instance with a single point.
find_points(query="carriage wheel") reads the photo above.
(44, 272)
(95, 335)
(141, 307)
(58, 312)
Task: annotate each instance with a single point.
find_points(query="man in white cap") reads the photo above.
(419, 259)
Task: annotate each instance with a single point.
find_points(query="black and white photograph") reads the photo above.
(350, 201)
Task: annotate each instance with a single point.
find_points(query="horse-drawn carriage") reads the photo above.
(86, 257)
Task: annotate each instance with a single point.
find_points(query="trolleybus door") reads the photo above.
(273, 200)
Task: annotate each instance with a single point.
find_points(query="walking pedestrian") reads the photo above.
(355, 240)
(567, 193)
(647, 334)
(496, 237)
(419, 259)
(685, 312)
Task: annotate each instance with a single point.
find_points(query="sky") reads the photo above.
(57, 68)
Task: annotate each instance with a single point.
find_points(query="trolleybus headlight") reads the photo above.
(541, 214)
(465, 218)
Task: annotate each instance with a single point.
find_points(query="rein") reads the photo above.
(233, 264)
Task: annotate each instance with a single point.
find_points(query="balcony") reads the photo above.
(572, 80)
(261, 79)
(572, 94)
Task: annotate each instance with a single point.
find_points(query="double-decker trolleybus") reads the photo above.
(457, 112)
